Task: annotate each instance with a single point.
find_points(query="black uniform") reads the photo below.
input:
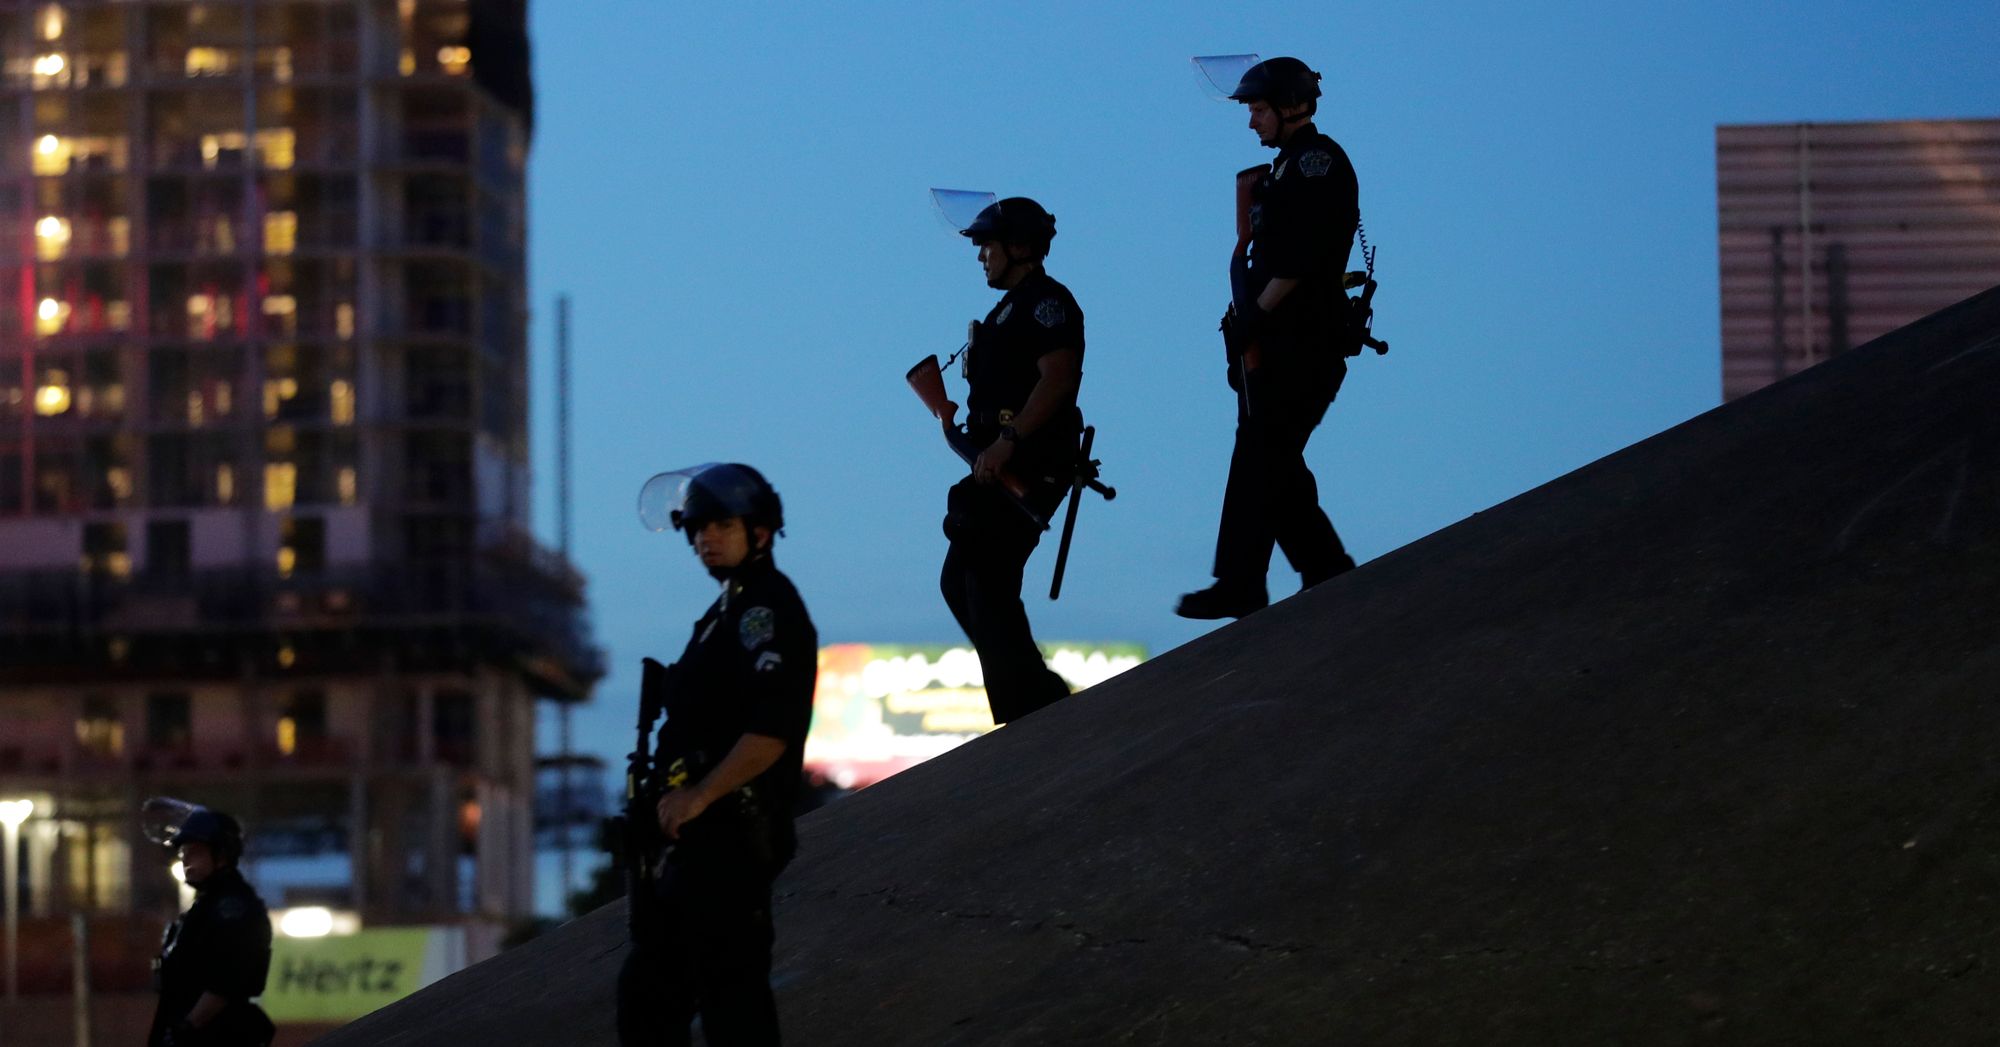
(1302, 223)
(221, 945)
(991, 538)
(749, 669)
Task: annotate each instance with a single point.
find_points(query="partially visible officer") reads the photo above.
(1023, 366)
(1287, 299)
(214, 959)
(737, 715)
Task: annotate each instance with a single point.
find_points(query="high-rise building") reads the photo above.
(1834, 234)
(264, 488)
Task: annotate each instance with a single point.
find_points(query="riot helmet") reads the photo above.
(1282, 82)
(1014, 220)
(172, 823)
(686, 499)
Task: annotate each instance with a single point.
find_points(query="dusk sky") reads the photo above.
(734, 195)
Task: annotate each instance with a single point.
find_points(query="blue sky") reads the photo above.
(734, 196)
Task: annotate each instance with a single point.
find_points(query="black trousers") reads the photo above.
(1272, 496)
(991, 539)
(709, 953)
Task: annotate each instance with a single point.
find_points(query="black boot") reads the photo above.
(1223, 600)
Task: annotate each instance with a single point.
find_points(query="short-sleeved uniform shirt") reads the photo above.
(749, 669)
(1302, 226)
(222, 944)
(1036, 317)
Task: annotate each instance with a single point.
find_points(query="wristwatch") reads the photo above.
(1008, 433)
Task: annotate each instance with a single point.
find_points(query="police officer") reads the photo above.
(214, 959)
(1288, 301)
(1023, 366)
(737, 716)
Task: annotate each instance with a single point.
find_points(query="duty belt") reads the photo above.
(994, 418)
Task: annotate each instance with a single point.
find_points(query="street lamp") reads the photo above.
(12, 814)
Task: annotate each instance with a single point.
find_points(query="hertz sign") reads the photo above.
(342, 977)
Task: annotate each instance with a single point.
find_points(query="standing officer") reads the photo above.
(214, 959)
(737, 714)
(1023, 365)
(1289, 303)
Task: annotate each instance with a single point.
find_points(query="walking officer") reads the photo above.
(215, 957)
(1023, 366)
(730, 757)
(1287, 328)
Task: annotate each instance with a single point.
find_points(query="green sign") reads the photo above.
(342, 977)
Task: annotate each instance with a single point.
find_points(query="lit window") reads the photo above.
(288, 735)
(288, 561)
(343, 320)
(208, 61)
(340, 398)
(50, 68)
(276, 148)
(349, 486)
(51, 155)
(281, 64)
(52, 22)
(118, 315)
(281, 232)
(50, 316)
(213, 146)
(52, 397)
(120, 232)
(454, 60)
(281, 485)
(51, 238)
(197, 409)
(225, 484)
(119, 479)
(408, 65)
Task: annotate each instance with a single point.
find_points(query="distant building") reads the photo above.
(264, 492)
(1834, 234)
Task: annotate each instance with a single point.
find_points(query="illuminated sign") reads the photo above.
(880, 708)
(339, 978)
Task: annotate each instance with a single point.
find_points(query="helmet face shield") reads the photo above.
(162, 817)
(1219, 74)
(956, 208)
(684, 499)
(664, 497)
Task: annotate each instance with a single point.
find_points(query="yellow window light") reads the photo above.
(52, 397)
(281, 482)
(341, 401)
(343, 320)
(51, 155)
(119, 479)
(288, 561)
(454, 60)
(225, 484)
(288, 735)
(286, 656)
(52, 235)
(52, 22)
(281, 232)
(49, 65)
(50, 316)
(208, 61)
(348, 485)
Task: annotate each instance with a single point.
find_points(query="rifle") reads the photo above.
(634, 836)
(927, 381)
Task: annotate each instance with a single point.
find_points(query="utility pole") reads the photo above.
(563, 798)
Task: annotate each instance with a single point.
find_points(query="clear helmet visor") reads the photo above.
(665, 495)
(161, 818)
(956, 208)
(1219, 74)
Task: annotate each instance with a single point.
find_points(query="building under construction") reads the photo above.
(264, 484)
(1835, 234)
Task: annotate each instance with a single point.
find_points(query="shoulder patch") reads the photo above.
(1005, 312)
(756, 627)
(1315, 163)
(1050, 312)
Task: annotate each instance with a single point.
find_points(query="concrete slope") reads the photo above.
(1699, 741)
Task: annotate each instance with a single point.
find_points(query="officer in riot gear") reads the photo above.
(214, 959)
(727, 767)
(1023, 366)
(1287, 329)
